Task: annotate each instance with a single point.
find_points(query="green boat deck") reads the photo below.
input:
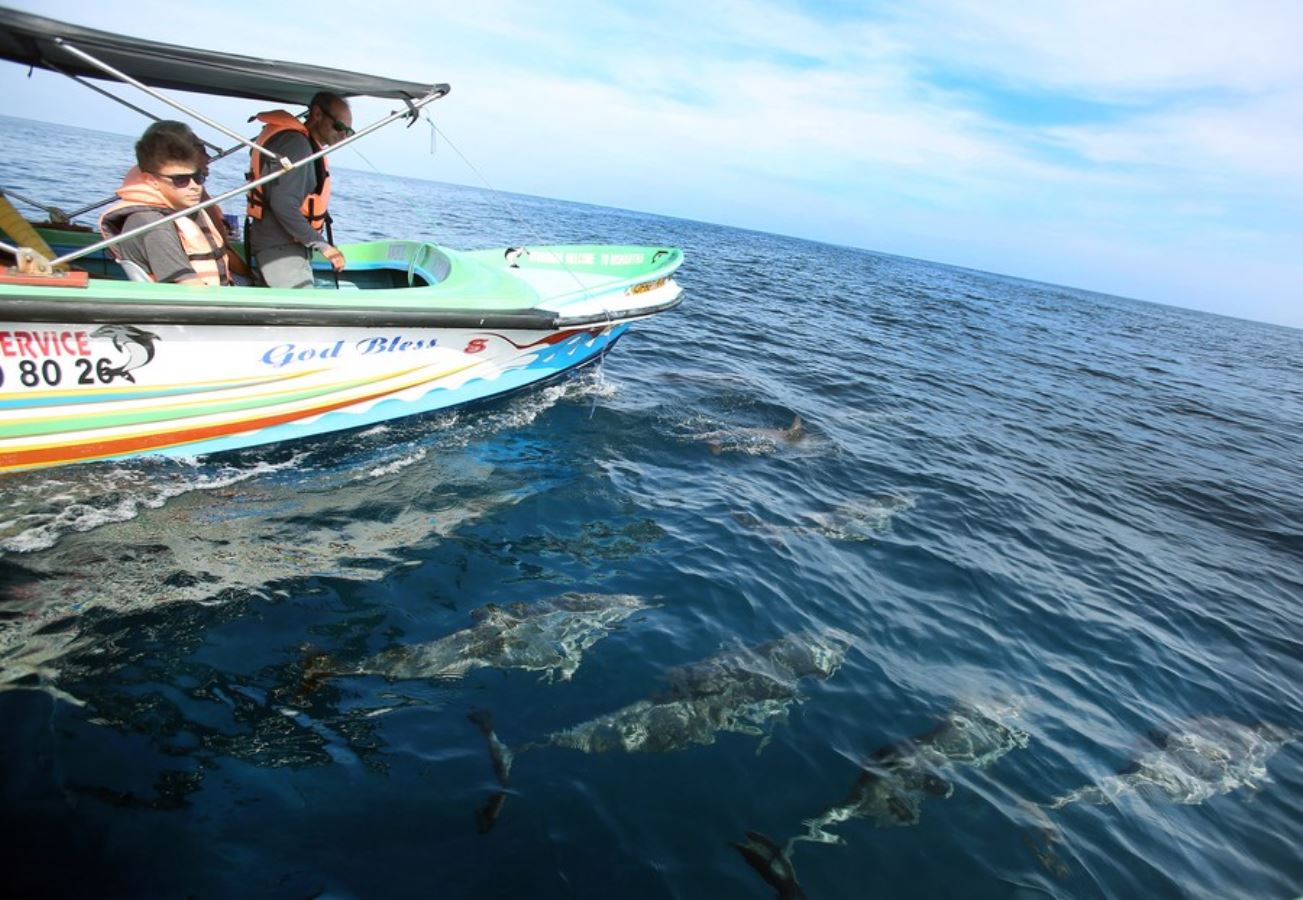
(416, 275)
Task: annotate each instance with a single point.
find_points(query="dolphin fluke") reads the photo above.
(772, 864)
(499, 752)
(487, 815)
(317, 668)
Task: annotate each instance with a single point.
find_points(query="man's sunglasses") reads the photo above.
(184, 179)
(338, 126)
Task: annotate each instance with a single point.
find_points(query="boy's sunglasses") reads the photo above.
(182, 180)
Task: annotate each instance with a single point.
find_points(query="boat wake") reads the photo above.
(394, 466)
(151, 533)
(40, 508)
(722, 436)
(249, 542)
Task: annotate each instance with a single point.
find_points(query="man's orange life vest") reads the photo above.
(314, 204)
(201, 240)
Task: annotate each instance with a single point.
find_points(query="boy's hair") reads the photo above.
(169, 142)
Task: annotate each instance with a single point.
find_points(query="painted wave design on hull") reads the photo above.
(101, 446)
(582, 349)
(136, 415)
(97, 396)
(234, 428)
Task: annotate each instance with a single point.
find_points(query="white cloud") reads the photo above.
(772, 115)
(1116, 48)
(1258, 139)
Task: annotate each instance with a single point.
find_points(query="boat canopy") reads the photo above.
(37, 41)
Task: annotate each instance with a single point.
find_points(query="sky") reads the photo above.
(1148, 150)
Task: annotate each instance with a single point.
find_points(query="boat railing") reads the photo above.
(248, 185)
(60, 217)
(35, 264)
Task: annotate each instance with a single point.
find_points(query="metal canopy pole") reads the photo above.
(200, 117)
(221, 154)
(116, 99)
(68, 217)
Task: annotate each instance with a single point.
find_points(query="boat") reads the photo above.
(95, 365)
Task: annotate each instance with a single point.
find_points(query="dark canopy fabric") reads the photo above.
(30, 40)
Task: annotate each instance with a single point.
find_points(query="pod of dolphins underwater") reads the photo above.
(750, 689)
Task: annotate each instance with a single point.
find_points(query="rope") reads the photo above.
(367, 161)
(57, 216)
(520, 220)
(13, 224)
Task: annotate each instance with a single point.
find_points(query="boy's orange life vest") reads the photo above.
(201, 240)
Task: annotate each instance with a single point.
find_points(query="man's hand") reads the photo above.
(334, 257)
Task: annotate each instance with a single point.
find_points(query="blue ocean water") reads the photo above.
(1074, 515)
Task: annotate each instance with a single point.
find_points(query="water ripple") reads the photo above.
(996, 488)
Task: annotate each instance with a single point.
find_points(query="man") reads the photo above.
(171, 167)
(286, 215)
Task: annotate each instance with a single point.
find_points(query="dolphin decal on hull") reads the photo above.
(137, 343)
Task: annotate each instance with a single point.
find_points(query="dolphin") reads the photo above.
(894, 782)
(897, 778)
(773, 864)
(741, 689)
(549, 636)
(754, 439)
(1190, 762)
(137, 343)
(860, 520)
(199, 548)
